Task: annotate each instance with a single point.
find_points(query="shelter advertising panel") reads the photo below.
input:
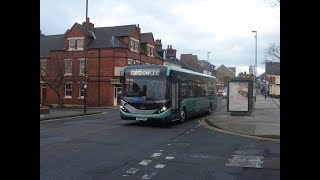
(238, 99)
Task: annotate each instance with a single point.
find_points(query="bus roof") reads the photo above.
(169, 68)
(188, 71)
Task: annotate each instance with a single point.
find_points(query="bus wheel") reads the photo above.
(210, 109)
(183, 115)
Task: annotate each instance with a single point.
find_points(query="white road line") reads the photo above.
(147, 176)
(156, 154)
(169, 157)
(159, 166)
(191, 129)
(132, 170)
(145, 162)
(160, 150)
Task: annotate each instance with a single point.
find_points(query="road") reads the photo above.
(104, 147)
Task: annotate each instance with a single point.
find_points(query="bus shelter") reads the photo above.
(240, 96)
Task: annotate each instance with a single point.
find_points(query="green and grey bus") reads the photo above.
(165, 93)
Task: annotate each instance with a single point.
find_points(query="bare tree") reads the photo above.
(273, 53)
(52, 72)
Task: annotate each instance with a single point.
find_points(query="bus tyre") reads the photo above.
(182, 115)
(210, 109)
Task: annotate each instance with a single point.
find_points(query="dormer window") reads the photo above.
(134, 45)
(150, 50)
(79, 43)
(75, 43)
(72, 44)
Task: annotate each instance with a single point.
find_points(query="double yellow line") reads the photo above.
(206, 125)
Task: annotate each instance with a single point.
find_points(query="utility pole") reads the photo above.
(255, 66)
(85, 62)
(208, 56)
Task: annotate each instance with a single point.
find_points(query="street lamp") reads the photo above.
(85, 63)
(255, 66)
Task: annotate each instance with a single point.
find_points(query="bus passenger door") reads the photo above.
(175, 98)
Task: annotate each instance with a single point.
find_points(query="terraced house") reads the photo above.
(109, 49)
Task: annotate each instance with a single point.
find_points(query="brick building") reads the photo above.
(224, 74)
(200, 66)
(109, 50)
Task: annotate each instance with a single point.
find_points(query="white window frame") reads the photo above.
(137, 62)
(43, 66)
(134, 45)
(79, 40)
(150, 50)
(66, 67)
(82, 61)
(70, 44)
(81, 89)
(131, 62)
(65, 90)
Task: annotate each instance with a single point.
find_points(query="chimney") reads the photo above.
(139, 30)
(158, 45)
(90, 25)
(171, 52)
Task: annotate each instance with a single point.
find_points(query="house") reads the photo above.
(169, 56)
(200, 66)
(109, 50)
(224, 74)
(272, 75)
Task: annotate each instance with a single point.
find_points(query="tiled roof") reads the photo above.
(144, 37)
(104, 36)
(53, 42)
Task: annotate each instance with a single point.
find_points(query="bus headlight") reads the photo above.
(123, 109)
(162, 110)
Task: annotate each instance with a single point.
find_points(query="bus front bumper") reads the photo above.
(163, 117)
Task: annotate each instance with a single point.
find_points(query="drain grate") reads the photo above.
(245, 161)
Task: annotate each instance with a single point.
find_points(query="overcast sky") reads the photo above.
(222, 27)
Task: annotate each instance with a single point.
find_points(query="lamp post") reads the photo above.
(85, 63)
(208, 56)
(255, 66)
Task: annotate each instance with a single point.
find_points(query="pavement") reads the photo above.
(55, 113)
(264, 121)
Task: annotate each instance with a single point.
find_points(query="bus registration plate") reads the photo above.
(141, 119)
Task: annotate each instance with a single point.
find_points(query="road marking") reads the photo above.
(147, 176)
(145, 162)
(169, 145)
(245, 161)
(160, 150)
(132, 170)
(204, 124)
(159, 166)
(169, 157)
(191, 129)
(156, 154)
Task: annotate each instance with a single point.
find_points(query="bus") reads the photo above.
(165, 93)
